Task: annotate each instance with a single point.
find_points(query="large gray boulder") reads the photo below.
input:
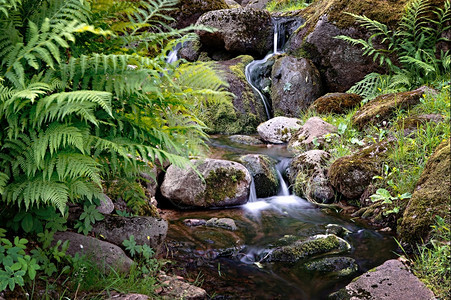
(226, 183)
(146, 230)
(263, 171)
(341, 63)
(240, 30)
(105, 255)
(278, 130)
(391, 280)
(174, 287)
(296, 83)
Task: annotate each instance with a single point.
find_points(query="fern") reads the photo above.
(414, 44)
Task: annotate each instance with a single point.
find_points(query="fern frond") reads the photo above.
(9, 5)
(3, 181)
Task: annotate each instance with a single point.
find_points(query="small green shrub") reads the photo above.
(287, 5)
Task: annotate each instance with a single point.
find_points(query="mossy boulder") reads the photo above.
(224, 183)
(314, 134)
(278, 130)
(188, 11)
(296, 83)
(245, 139)
(337, 103)
(240, 31)
(351, 174)
(243, 111)
(431, 197)
(263, 170)
(313, 246)
(307, 174)
(383, 107)
(334, 266)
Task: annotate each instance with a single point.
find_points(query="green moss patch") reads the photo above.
(221, 184)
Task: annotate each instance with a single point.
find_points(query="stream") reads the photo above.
(231, 264)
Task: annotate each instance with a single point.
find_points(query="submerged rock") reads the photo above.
(236, 31)
(311, 135)
(278, 130)
(337, 230)
(352, 174)
(296, 83)
(263, 170)
(225, 223)
(430, 199)
(316, 245)
(245, 139)
(146, 230)
(390, 280)
(383, 107)
(105, 255)
(334, 266)
(226, 184)
(337, 103)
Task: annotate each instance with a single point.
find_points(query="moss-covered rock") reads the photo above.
(337, 103)
(316, 245)
(431, 197)
(278, 130)
(263, 170)
(307, 174)
(225, 183)
(244, 112)
(245, 139)
(334, 266)
(350, 175)
(383, 107)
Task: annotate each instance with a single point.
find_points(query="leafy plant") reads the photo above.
(287, 5)
(89, 217)
(385, 197)
(147, 264)
(73, 116)
(413, 43)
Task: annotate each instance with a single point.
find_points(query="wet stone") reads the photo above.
(334, 266)
(194, 222)
(225, 223)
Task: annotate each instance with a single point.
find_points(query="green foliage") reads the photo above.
(16, 266)
(287, 5)
(72, 116)
(432, 263)
(36, 220)
(385, 197)
(413, 43)
(147, 264)
(88, 218)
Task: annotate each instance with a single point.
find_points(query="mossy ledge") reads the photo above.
(221, 184)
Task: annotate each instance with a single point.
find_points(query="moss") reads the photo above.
(308, 248)
(431, 197)
(338, 103)
(221, 183)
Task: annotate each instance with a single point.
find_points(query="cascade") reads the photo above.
(173, 54)
(254, 69)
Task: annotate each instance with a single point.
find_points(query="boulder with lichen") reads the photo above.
(337, 103)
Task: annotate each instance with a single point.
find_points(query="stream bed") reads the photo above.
(232, 264)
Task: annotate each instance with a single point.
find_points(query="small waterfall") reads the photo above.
(252, 192)
(280, 168)
(253, 69)
(173, 54)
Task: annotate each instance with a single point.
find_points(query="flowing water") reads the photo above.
(231, 264)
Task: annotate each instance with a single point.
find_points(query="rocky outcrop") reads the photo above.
(383, 107)
(245, 110)
(187, 12)
(350, 175)
(105, 255)
(391, 280)
(106, 206)
(307, 174)
(296, 83)
(236, 31)
(146, 230)
(431, 197)
(313, 134)
(316, 245)
(225, 183)
(278, 130)
(337, 103)
(263, 170)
